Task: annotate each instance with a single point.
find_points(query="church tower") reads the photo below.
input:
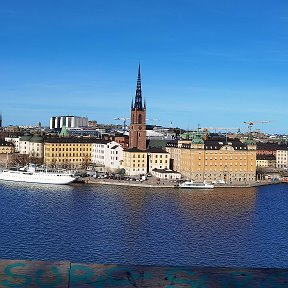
(137, 136)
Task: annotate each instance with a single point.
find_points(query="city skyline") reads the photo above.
(213, 64)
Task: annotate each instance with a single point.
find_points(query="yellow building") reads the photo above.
(158, 159)
(68, 152)
(213, 160)
(138, 162)
(134, 162)
(265, 161)
(6, 147)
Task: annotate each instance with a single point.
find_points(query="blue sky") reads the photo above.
(213, 63)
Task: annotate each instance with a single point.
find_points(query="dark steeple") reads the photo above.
(138, 98)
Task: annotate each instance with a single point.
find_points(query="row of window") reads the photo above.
(68, 149)
(67, 155)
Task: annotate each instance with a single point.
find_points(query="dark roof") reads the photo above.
(135, 150)
(165, 171)
(76, 140)
(266, 157)
(157, 143)
(5, 143)
(115, 146)
(270, 146)
(156, 150)
(216, 145)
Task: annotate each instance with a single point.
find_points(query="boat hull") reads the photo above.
(41, 178)
(192, 185)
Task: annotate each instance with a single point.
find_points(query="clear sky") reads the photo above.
(215, 63)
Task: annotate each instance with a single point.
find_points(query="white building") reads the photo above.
(107, 154)
(15, 141)
(166, 174)
(282, 158)
(32, 145)
(56, 122)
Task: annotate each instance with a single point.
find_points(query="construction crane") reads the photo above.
(251, 123)
(124, 119)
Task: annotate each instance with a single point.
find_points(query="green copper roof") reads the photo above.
(198, 138)
(250, 140)
(26, 137)
(37, 138)
(64, 132)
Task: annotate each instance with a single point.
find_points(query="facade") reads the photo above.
(123, 140)
(269, 148)
(15, 141)
(158, 159)
(137, 134)
(135, 162)
(32, 145)
(213, 160)
(6, 147)
(166, 174)
(265, 161)
(68, 152)
(282, 158)
(56, 122)
(135, 159)
(108, 154)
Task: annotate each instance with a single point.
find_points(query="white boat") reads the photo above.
(42, 176)
(196, 185)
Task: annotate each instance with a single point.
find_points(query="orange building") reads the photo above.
(212, 160)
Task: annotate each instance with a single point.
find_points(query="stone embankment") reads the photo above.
(40, 274)
(153, 183)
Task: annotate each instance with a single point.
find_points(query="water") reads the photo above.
(126, 225)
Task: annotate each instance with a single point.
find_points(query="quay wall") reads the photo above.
(38, 274)
(164, 184)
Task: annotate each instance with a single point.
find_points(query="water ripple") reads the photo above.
(229, 227)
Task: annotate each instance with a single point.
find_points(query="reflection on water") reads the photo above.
(128, 225)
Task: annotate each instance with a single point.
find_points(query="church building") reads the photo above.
(137, 135)
(137, 160)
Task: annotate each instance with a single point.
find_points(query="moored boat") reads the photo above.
(30, 174)
(196, 185)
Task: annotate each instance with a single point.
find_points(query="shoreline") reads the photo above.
(92, 181)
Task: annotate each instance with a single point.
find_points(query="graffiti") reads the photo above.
(28, 274)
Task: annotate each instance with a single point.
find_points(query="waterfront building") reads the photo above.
(214, 160)
(68, 152)
(32, 145)
(108, 154)
(15, 141)
(282, 158)
(265, 161)
(166, 174)
(134, 162)
(158, 159)
(56, 122)
(6, 147)
(269, 148)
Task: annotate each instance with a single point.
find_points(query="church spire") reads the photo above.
(138, 98)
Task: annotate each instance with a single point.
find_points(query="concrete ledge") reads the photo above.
(21, 273)
(167, 185)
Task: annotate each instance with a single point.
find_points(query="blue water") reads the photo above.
(110, 224)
